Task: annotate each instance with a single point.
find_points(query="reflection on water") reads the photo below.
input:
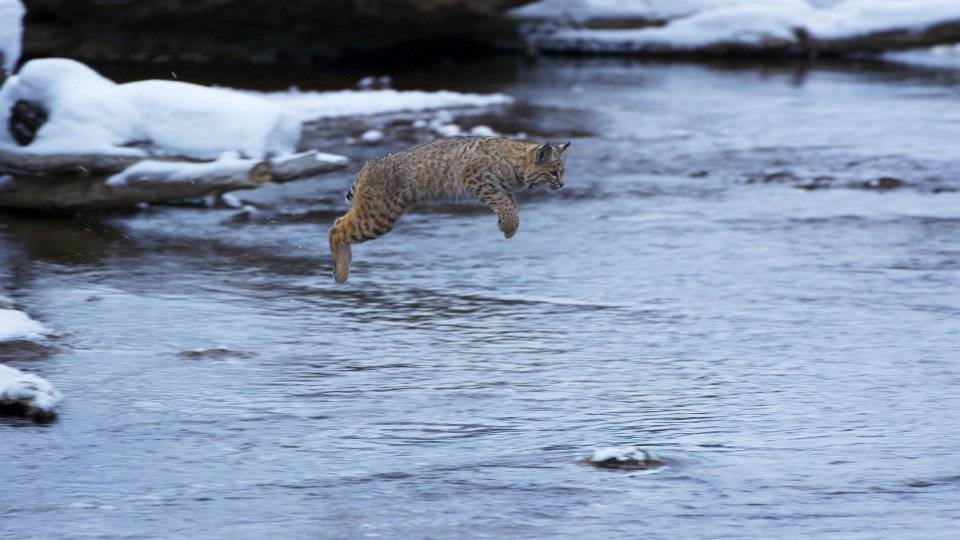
(790, 354)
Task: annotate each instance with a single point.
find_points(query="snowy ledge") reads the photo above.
(713, 27)
(70, 138)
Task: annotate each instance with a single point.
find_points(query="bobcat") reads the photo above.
(489, 168)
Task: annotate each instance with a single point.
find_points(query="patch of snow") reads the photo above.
(447, 130)
(942, 56)
(625, 454)
(227, 164)
(582, 11)
(372, 136)
(17, 325)
(197, 121)
(89, 113)
(11, 32)
(336, 159)
(483, 131)
(756, 23)
(311, 105)
(27, 390)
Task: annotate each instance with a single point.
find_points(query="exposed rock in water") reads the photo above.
(254, 30)
(628, 458)
(26, 117)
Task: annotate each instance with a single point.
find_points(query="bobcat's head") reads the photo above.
(543, 166)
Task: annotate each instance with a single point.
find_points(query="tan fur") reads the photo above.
(488, 168)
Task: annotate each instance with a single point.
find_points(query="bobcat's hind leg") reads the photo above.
(359, 225)
(340, 251)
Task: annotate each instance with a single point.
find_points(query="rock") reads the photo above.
(256, 31)
(630, 458)
(884, 183)
(26, 118)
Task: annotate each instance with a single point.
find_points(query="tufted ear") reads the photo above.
(544, 154)
(563, 146)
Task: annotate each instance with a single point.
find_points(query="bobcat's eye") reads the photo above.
(555, 174)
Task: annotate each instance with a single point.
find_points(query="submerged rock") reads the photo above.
(630, 458)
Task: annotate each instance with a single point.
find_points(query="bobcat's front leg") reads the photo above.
(488, 188)
(505, 205)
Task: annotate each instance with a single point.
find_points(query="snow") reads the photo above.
(583, 11)
(17, 325)
(312, 105)
(91, 114)
(483, 131)
(11, 30)
(197, 121)
(372, 136)
(178, 171)
(943, 56)
(624, 454)
(752, 23)
(26, 389)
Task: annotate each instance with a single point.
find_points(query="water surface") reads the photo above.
(791, 354)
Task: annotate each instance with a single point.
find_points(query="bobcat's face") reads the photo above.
(544, 166)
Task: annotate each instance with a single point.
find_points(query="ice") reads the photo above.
(27, 391)
(11, 30)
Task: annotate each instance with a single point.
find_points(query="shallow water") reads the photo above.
(791, 354)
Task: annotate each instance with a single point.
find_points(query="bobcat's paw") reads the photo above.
(508, 227)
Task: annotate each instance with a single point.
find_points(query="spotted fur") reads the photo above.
(488, 168)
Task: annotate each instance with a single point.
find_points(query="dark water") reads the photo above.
(792, 355)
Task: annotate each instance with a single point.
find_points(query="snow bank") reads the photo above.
(27, 392)
(11, 30)
(310, 105)
(586, 11)
(751, 24)
(17, 325)
(89, 113)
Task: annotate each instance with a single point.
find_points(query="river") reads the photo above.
(791, 354)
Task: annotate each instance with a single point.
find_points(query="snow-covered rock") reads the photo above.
(626, 457)
(26, 394)
(11, 31)
(696, 26)
(91, 114)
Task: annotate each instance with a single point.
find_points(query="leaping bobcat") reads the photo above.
(489, 168)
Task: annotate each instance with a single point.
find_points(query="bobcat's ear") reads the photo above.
(563, 146)
(544, 154)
